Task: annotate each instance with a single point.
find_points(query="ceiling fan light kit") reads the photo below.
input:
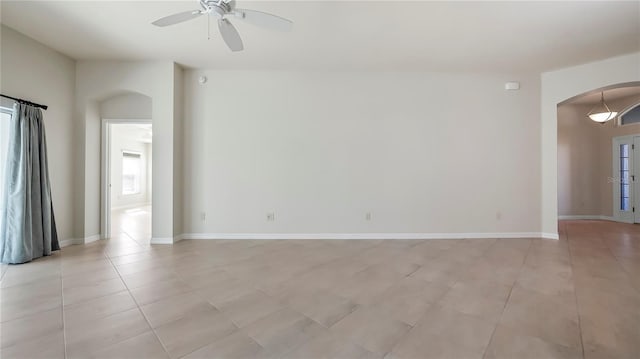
(221, 10)
(601, 113)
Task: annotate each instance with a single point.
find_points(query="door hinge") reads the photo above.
(633, 147)
(633, 209)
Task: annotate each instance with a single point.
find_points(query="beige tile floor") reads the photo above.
(132, 223)
(578, 297)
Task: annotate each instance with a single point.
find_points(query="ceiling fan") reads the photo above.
(221, 10)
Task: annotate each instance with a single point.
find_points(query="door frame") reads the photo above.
(105, 171)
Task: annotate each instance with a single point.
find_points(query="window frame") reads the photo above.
(137, 187)
(625, 177)
(624, 112)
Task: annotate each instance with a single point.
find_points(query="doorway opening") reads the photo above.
(128, 180)
(596, 161)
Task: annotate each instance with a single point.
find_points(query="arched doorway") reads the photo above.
(126, 176)
(596, 171)
(556, 87)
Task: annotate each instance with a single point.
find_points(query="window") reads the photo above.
(624, 177)
(630, 116)
(131, 172)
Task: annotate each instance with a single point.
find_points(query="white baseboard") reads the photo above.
(162, 240)
(585, 217)
(70, 241)
(95, 237)
(65, 242)
(338, 236)
(366, 235)
(74, 241)
(167, 240)
(549, 236)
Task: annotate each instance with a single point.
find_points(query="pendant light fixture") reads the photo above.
(601, 113)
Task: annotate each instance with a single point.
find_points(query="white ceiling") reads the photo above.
(357, 35)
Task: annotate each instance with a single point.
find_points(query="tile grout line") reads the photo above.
(238, 328)
(4, 272)
(284, 306)
(435, 302)
(141, 311)
(64, 326)
(524, 260)
(624, 270)
(194, 291)
(531, 252)
(575, 292)
(217, 340)
(133, 239)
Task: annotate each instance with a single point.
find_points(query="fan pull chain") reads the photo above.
(208, 27)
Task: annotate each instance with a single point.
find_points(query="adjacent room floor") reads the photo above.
(131, 225)
(510, 298)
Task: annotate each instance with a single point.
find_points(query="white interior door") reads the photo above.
(623, 179)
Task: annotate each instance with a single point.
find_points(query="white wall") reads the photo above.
(149, 163)
(558, 86)
(178, 144)
(92, 178)
(423, 152)
(126, 138)
(579, 162)
(33, 71)
(131, 106)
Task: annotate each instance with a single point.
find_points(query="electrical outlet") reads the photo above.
(203, 216)
(271, 216)
(367, 216)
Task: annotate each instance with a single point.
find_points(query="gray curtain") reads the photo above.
(29, 229)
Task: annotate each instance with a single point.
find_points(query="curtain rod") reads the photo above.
(44, 107)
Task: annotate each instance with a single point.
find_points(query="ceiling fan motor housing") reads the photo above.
(218, 8)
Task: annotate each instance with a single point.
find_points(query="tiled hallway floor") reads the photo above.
(132, 224)
(511, 298)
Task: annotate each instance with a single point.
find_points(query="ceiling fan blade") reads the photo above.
(230, 35)
(265, 20)
(177, 18)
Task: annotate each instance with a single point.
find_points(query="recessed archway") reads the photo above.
(557, 87)
(125, 111)
(597, 91)
(586, 188)
(97, 81)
